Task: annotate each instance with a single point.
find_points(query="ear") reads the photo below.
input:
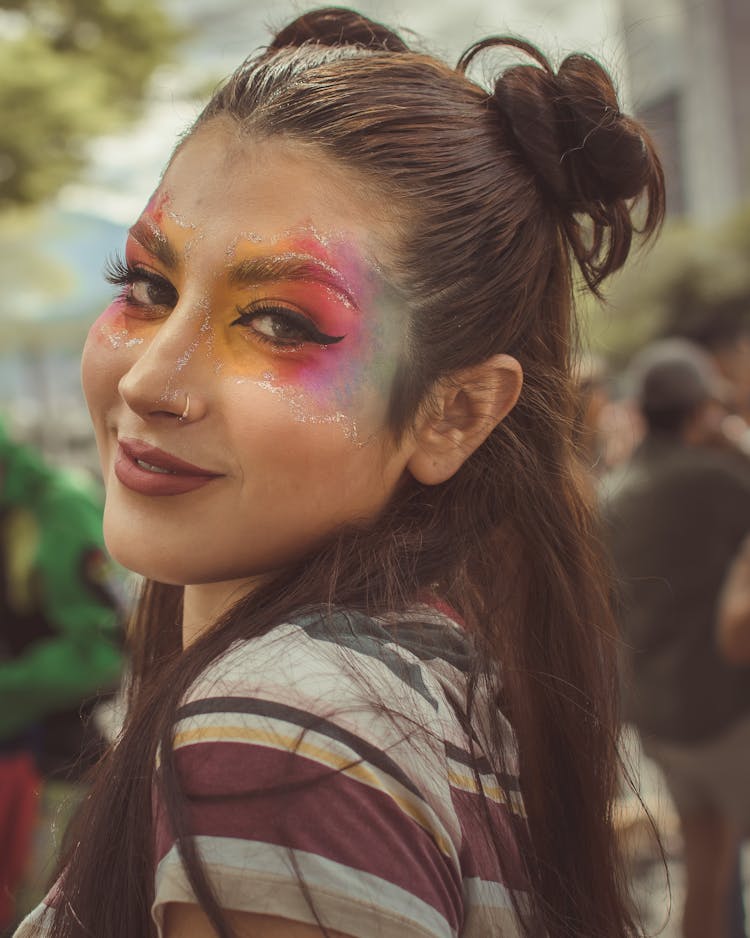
(465, 409)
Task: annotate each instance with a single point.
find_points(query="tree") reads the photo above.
(69, 71)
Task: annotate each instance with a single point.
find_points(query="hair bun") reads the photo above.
(337, 26)
(589, 158)
(570, 128)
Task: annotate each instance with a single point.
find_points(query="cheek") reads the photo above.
(113, 331)
(107, 354)
(352, 377)
(295, 461)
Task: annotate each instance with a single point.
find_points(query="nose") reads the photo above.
(166, 378)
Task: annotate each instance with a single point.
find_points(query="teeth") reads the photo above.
(149, 468)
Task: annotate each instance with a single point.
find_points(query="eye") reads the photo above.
(142, 288)
(279, 327)
(150, 290)
(282, 327)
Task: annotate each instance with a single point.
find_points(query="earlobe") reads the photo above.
(465, 409)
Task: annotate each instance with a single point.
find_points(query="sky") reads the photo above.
(125, 168)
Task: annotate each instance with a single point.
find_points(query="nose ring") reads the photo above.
(184, 415)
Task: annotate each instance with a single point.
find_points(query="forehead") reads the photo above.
(237, 187)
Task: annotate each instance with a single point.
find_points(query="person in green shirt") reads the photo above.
(60, 636)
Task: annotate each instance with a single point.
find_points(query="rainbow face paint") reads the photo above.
(317, 288)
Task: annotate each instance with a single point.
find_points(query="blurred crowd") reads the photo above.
(665, 444)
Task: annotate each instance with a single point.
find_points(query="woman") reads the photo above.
(332, 402)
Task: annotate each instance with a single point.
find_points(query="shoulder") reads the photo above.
(705, 470)
(325, 740)
(338, 690)
(343, 659)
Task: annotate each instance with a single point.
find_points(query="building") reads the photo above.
(688, 64)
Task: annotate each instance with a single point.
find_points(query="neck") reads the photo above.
(205, 603)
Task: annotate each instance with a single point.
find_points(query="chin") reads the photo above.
(152, 568)
(143, 556)
(173, 565)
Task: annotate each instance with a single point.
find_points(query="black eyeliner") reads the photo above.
(310, 332)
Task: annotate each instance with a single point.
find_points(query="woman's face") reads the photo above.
(239, 383)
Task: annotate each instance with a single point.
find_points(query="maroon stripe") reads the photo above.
(478, 854)
(255, 793)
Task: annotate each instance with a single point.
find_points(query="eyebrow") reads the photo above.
(305, 267)
(155, 242)
(252, 271)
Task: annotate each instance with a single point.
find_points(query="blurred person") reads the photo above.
(722, 329)
(733, 619)
(676, 515)
(606, 428)
(59, 641)
(592, 397)
(373, 667)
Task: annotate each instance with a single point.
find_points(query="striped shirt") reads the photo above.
(327, 774)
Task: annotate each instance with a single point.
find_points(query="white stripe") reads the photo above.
(490, 910)
(488, 893)
(36, 924)
(251, 876)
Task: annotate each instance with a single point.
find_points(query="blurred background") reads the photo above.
(93, 94)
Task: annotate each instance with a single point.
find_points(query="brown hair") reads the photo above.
(501, 191)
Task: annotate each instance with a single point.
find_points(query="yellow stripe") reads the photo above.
(292, 744)
(494, 792)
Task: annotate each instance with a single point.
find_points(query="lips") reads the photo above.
(152, 471)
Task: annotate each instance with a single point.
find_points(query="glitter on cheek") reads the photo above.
(299, 407)
(112, 329)
(116, 339)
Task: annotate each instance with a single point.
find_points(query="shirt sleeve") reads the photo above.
(307, 802)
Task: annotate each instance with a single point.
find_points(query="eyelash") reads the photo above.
(120, 273)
